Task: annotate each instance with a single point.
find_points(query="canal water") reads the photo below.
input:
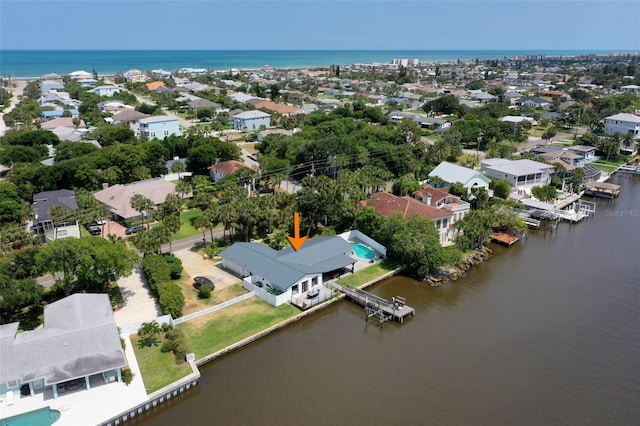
(546, 332)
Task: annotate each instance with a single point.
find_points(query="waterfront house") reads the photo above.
(117, 198)
(105, 90)
(219, 170)
(251, 120)
(387, 204)
(441, 198)
(159, 127)
(78, 345)
(453, 173)
(586, 152)
(519, 173)
(277, 276)
(54, 228)
(622, 123)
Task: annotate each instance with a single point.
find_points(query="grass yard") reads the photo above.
(607, 165)
(192, 303)
(187, 218)
(210, 333)
(369, 273)
(158, 368)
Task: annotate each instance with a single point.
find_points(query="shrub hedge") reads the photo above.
(158, 275)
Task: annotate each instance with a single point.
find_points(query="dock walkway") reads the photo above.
(376, 306)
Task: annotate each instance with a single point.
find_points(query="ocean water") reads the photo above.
(34, 63)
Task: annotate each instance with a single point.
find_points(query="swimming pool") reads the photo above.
(362, 251)
(41, 417)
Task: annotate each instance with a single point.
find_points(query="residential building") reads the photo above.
(159, 127)
(622, 123)
(534, 102)
(79, 341)
(48, 115)
(251, 120)
(277, 276)
(441, 198)
(131, 118)
(521, 174)
(105, 90)
(54, 228)
(387, 204)
(49, 85)
(587, 152)
(219, 170)
(631, 88)
(453, 173)
(117, 198)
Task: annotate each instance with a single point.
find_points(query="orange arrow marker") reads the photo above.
(296, 241)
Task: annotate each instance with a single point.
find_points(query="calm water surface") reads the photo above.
(545, 333)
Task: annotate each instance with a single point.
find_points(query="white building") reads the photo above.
(519, 173)
(622, 123)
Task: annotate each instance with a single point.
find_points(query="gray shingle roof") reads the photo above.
(43, 201)
(79, 338)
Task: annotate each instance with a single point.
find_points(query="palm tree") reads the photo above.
(178, 167)
(57, 213)
(183, 187)
(173, 225)
(144, 205)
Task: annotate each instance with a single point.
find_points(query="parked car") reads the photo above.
(99, 222)
(134, 229)
(94, 230)
(200, 281)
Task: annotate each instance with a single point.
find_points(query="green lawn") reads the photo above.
(369, 273)
(187, 229)
(158, 369)
(607, 165)
(210, 333)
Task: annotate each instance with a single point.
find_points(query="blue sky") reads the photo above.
(320, 24)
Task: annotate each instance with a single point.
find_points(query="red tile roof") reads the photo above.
(228, 167)
(436, 194)
(386, 204)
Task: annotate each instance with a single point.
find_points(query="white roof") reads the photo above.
(623, 116)
(515, 118)
(453, 173)
(251, 114)
(157, 119)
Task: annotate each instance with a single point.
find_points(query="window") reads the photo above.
(314, 281)
(166, 133)
(62, 233)
(294, 289)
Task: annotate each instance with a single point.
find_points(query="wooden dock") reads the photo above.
(378, 307)
(504, 239)
(602, 189)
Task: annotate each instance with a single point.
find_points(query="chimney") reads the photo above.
(105, 185)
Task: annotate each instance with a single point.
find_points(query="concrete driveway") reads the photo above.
(197, 266)
(139, 303)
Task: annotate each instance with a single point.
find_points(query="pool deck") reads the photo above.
(85, 407)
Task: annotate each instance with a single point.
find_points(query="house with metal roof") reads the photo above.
(159, 127)
(622, 123)
(251, 120)
(519, 173)
(277, 276)
(79, 345)
(453, 173)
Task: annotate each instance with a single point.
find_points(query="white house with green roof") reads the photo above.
(277, 276)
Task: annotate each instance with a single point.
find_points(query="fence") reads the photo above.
(133, 327)
(212, 309)
(158, 397)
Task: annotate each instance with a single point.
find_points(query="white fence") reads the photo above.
(212, 309)
(133, 327)
(355, 235)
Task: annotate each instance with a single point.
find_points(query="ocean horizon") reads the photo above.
(35, 63)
